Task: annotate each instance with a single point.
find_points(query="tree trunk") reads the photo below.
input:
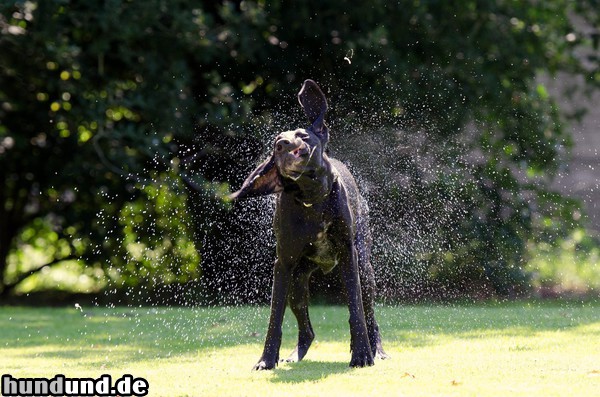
(6, 236)
(12, 219)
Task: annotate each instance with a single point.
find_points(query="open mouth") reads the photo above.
(300, 151)
(297, 152)
(297, 162)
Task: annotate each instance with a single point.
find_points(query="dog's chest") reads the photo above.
(321, 250)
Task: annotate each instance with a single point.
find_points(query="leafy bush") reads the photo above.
(109, 108)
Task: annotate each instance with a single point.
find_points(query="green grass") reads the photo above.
(517, 349)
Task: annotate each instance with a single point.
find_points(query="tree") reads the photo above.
(110, 108)
(86, 125)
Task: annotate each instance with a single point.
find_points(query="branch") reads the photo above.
(10, 286)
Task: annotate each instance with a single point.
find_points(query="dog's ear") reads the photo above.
(265, 179)
(314, 104)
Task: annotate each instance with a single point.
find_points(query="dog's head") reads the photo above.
(298, 154)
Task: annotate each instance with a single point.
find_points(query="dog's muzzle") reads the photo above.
(297, 149)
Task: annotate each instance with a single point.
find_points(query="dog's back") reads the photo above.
(360, 212)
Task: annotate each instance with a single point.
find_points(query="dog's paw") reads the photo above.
(361, 359)
(264, 365)
(300, 351)
(380, 354)
(293, 357)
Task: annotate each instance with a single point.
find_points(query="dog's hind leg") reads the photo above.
(367, 282)
(298, 301)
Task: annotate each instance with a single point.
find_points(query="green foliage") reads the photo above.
(84, 121)
(565, 268)
(156, 242)
(104, 103)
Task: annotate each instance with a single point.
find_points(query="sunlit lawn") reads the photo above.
(518, 349)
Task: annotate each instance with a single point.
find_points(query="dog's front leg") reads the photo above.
(281, 281)
(359, 339)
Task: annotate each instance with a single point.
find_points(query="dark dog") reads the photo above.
(320, 221)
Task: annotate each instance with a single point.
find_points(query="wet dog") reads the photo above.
(320, 221)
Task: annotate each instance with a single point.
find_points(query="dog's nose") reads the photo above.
(283, 144)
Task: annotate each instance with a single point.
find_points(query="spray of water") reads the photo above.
(411, 181)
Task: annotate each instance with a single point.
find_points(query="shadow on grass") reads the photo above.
(136, 334)
(125, 335)
(308, 371)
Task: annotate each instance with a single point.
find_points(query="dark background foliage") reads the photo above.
(124, 123)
